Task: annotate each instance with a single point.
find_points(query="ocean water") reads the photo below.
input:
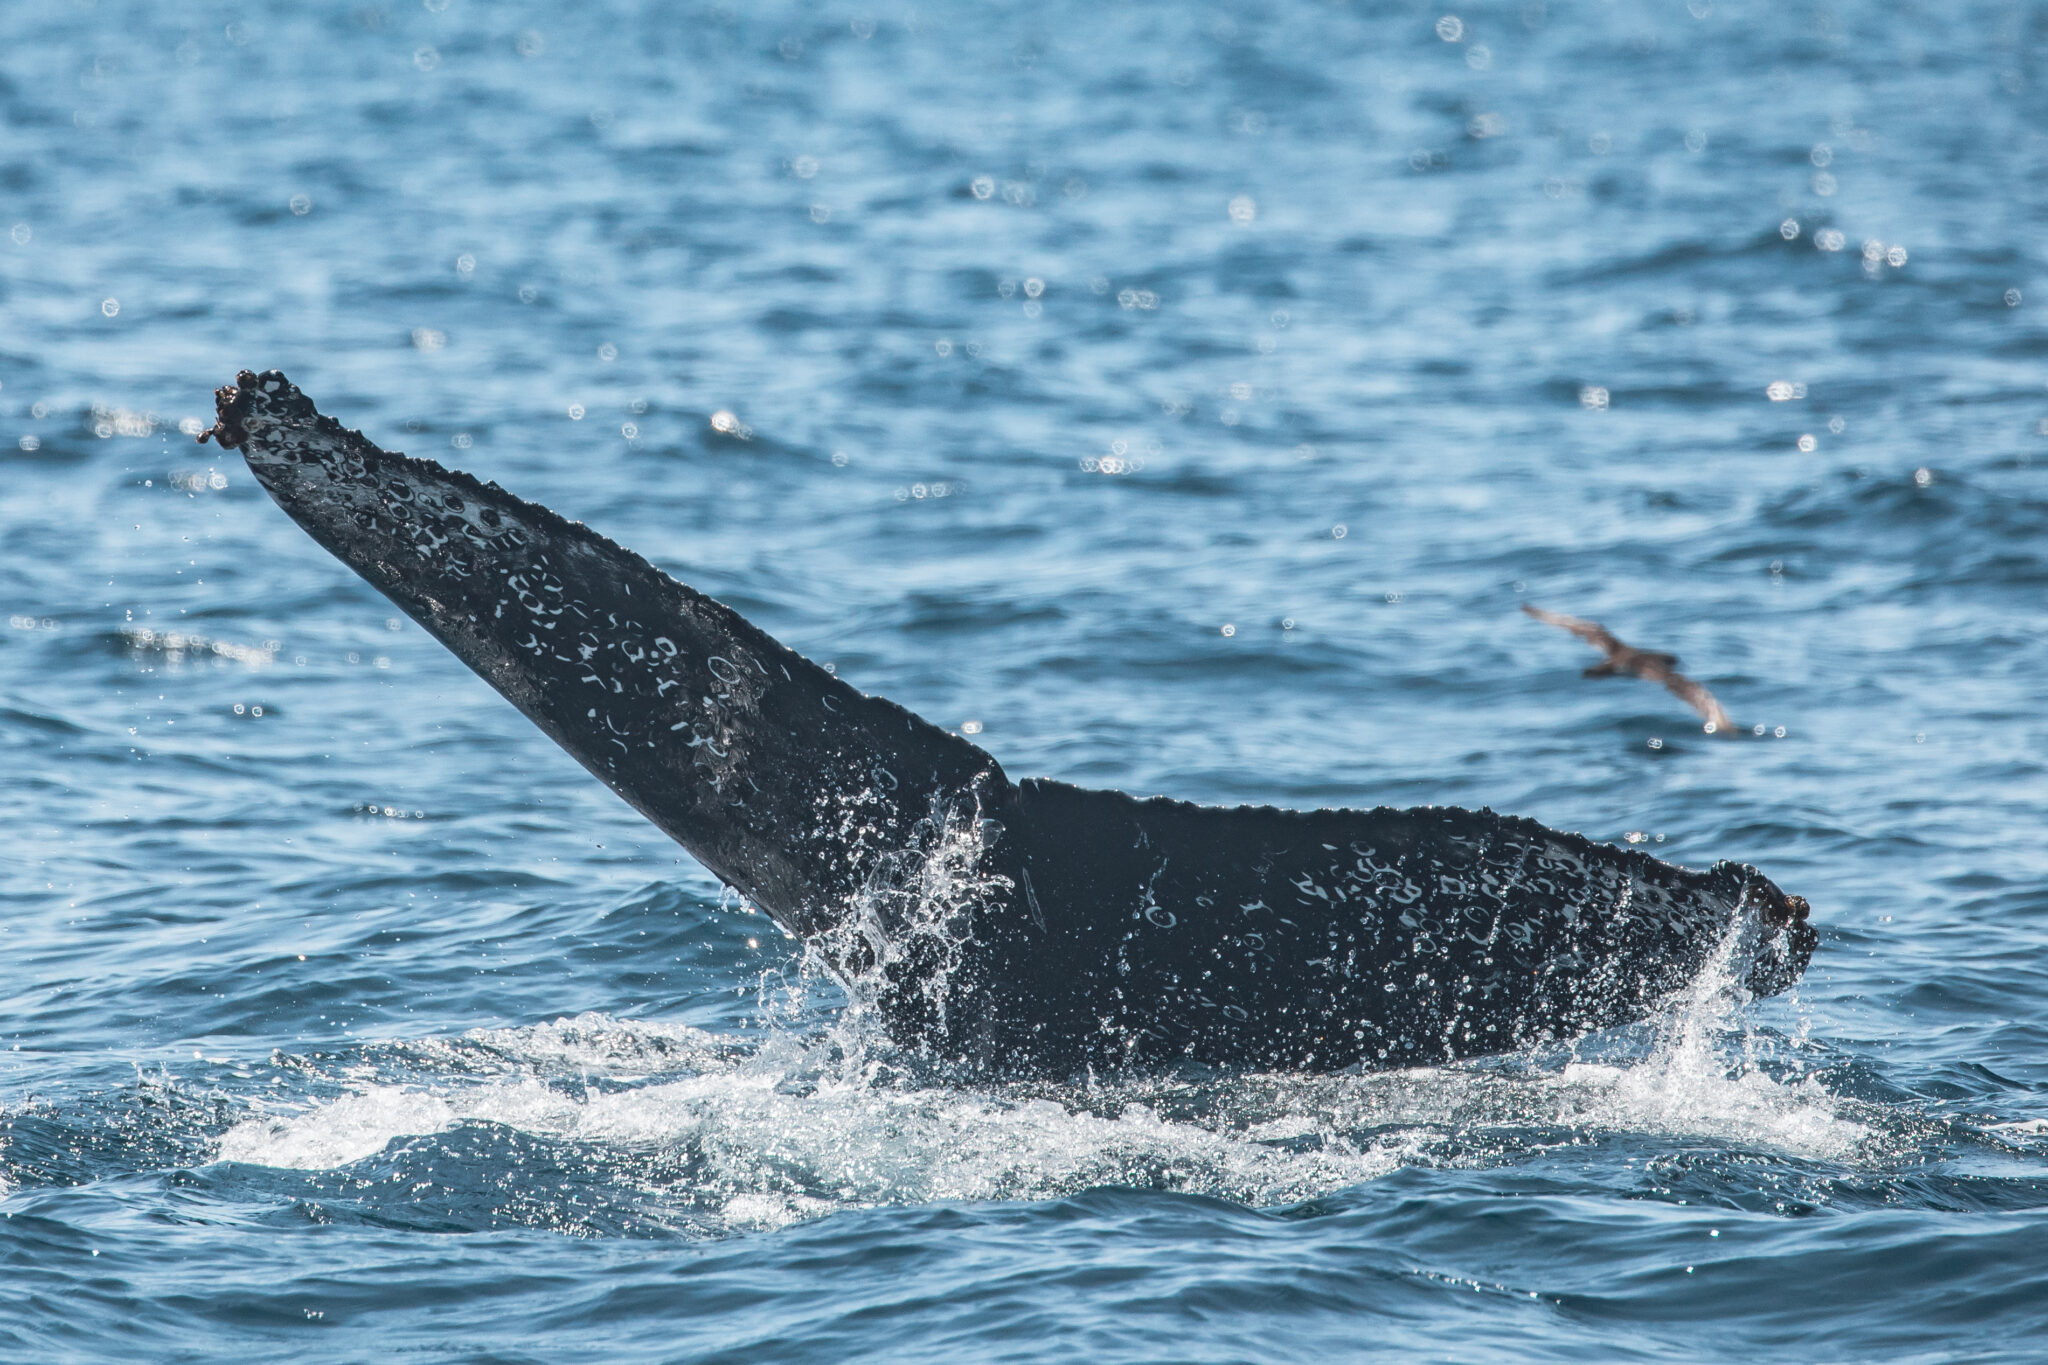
(1176, 398)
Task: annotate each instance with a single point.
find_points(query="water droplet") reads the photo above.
(300, 205)
(1450, 28)
(1243, 209)
(111, 307)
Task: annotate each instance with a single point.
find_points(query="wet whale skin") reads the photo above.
(1013, 927)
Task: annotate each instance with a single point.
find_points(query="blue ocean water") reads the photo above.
(1175, 398)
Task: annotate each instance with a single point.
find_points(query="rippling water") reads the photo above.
(1178, 400)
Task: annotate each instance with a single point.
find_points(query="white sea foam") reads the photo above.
(788, 1128)
(789, 1125)
(338, 1133)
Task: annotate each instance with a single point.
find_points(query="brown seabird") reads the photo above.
(1643, 663)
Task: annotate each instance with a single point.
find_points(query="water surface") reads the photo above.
(1181, 400)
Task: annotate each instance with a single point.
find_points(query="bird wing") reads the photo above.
(1592, 632)
(1702, 701)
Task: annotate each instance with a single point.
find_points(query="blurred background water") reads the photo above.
(1177, 398)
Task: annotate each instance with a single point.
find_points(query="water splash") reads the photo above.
(822, 1111)
(898, 954)
(796, 1125)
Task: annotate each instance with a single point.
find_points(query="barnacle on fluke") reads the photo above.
(1013, 927)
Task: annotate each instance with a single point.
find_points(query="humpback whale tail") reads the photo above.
(1022, 927)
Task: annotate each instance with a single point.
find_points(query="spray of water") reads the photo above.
(822, 1112)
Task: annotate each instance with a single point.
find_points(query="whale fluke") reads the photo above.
(1644, 664)
(1013, 928)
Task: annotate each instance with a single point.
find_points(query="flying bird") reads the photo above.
(1644, 664)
